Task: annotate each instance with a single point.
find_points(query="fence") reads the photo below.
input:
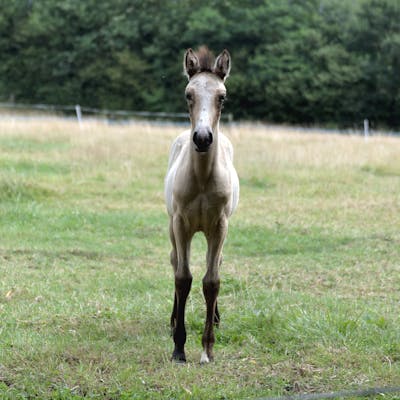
(81, 112)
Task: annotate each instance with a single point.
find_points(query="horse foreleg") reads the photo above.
(211, 285)
(174, 263)
(183, 283)
(182, 289)
(210, 290)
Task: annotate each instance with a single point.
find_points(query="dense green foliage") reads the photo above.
(315, 61)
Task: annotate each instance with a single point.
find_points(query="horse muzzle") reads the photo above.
(202, 138)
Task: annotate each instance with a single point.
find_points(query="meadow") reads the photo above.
(310, 281)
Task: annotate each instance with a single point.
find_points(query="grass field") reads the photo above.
(310, 281)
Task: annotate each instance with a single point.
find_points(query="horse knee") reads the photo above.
(183, 284)
(211, 287)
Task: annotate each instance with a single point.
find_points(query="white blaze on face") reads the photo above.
(203, 93)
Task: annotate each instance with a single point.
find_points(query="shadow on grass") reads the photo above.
(257, 240)
(63, 255)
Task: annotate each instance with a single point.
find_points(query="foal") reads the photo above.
(201, 191)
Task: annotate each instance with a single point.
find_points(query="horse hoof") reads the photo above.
(178, 357)
(204, 359)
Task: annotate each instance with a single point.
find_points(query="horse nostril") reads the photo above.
(210, 137)
(195, 137)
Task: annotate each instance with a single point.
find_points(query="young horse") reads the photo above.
(201, 191)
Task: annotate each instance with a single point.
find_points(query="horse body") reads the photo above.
(201, 192)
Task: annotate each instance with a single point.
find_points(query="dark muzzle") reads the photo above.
(202, 138)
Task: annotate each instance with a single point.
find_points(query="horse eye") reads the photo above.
(189, 97)
(221, 98)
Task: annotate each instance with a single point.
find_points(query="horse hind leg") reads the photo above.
(173, 316)
(217, 317)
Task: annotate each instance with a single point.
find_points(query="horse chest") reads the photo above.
(201, 206)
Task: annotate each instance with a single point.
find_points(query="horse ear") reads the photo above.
(222, 65)
(191, 64)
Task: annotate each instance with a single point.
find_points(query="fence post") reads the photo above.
(366, 129)
(79, 115)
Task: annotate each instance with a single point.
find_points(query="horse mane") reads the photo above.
(206, 59)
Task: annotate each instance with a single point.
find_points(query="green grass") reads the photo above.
(310, 279)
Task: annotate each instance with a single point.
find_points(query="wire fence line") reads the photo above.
(80, 112)
(89, 110)
(368, 392)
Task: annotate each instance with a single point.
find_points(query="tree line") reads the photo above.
(326, 62)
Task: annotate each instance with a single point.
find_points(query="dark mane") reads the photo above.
(206, 59)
